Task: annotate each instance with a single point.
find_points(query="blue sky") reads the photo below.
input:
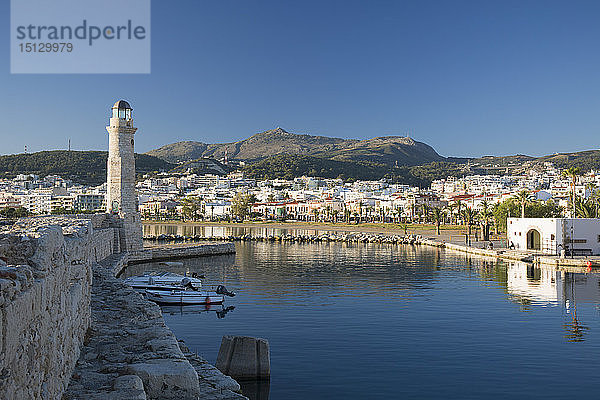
(470, 78)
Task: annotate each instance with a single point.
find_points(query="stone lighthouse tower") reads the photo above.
(121, 198)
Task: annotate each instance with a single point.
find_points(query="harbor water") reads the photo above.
(398, 321)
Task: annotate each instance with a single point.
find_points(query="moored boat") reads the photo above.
(163, 281)
(183, 297)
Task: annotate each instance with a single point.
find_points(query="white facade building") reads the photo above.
(552, 235)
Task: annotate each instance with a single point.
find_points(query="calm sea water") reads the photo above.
(379, 321)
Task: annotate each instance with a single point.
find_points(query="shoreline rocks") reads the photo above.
(330, 237)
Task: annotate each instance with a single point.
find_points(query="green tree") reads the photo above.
(584, 208)
(190, 206)
(241, 205)
(451, 208)
(12, 213)
(502, 211)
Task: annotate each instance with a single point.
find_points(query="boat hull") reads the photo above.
(183, 297)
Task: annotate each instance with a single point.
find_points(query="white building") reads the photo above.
(552, 235)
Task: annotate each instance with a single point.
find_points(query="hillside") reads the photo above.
(85, 167)
(586, 160)
(389, 150)
(288, 166)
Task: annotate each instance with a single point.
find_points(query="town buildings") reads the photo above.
(189, 196)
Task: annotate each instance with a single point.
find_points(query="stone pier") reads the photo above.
(130, 353)
(69, 329)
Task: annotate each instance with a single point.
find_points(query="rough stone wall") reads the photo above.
(45, 286)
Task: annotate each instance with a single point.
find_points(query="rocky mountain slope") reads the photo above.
(389, 150)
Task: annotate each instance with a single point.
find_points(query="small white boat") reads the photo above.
(183, 297)
(163, 281)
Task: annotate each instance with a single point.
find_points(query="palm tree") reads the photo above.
(522, 198)
(458, 209)
(468, 216)
(425, 212)
(450, 207)
(572, 173)
(485, 215)
(404, 227)
(335, 215)
(438, 215)
(413, 212)
(593, 197)
(315, 212)
(584, 209)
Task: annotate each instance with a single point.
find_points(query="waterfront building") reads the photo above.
(555, 236)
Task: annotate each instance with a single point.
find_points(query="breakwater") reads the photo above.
(173, 252)
(350, 237)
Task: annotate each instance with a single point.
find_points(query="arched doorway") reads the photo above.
(533, 240)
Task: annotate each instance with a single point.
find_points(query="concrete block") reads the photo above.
(244, 358)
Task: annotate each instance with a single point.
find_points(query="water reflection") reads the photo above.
(224, 231)
(256, 390)
(545, 285)
(219, 310)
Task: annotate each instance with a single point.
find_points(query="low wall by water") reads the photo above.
(174, 252)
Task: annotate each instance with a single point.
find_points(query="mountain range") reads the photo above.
(277, 153)
(388, 150)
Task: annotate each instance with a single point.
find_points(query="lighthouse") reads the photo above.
(121, 198)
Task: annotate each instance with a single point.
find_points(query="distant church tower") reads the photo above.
(121, 198)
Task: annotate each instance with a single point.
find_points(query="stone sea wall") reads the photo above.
(45, 289)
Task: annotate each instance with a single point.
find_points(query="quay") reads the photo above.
(575, 264)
